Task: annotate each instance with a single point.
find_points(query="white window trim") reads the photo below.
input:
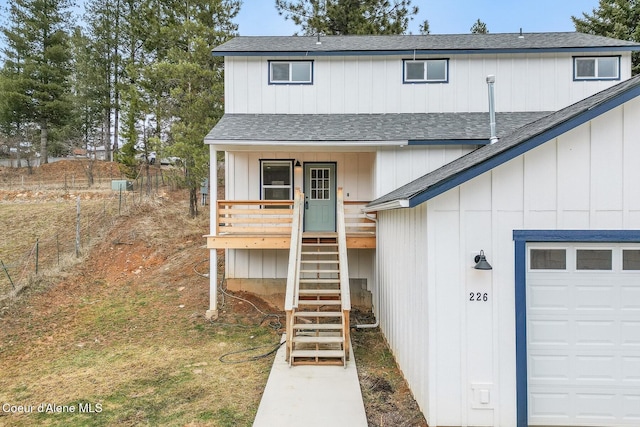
(263, 162)
(425, 80)
(289, 82)
(596, 59)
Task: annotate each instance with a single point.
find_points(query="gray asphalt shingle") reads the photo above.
(365, 127)
(510, 143)
(432, 42)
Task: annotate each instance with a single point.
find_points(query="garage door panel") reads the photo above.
(597, 369)
(631, 369)
(584, 407)
(594, 405)
(631, 407)
(592, 332)
(630, 297)
(595, 296)
(630, 331)
(549, 368)
(583, 340)
(549, 332)
(549, 294)
(549, 406)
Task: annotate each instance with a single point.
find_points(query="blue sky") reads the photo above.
(259, 17)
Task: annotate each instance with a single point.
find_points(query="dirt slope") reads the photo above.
(125, 328)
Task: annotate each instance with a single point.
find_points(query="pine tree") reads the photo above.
(479, 27)
(345, 17)
(194, 81)
(38, 56)
(619, 19)
(83, 128)
(102, 19)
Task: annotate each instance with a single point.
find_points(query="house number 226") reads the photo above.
(478, 296)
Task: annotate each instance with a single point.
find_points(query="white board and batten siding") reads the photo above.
(374, 84)
(400, 165)
(242, 173)
(465, 374)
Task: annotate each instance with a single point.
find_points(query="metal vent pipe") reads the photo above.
(491, 79)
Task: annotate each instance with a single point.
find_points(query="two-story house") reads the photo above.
(402, 188)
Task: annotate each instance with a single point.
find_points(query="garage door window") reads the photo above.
(631, 259)
(548, 259)
(593, 259)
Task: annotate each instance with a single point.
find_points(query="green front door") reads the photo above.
(320, 196)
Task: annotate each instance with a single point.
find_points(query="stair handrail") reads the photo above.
(342, 253)
(293, 272)
(345, 295)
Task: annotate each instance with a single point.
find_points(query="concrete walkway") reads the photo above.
(311, 396)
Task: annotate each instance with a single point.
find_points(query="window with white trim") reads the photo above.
(425, 70)
(290, 72)
(596, 68)
(276, 179)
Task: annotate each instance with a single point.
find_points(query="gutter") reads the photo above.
(394, 204)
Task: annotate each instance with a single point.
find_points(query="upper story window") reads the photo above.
(426, 70)
(290, 72)
(596, 68)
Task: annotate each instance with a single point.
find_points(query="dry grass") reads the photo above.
(124, 331)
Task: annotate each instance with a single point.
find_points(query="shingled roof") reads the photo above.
(410, 128)
(421, 44)
(518, 142)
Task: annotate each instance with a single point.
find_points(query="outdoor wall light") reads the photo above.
(481, 262)
(298, 165)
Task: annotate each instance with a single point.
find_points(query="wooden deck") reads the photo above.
(263, 224)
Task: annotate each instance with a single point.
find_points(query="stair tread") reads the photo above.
(317, 326)
(319, 253)
(317, 353)
(320, 271)
(319, 340)
(323, 292)
(316, 280)
(319, 261)
(319, 302)
(318, 313)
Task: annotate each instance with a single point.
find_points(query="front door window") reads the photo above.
(320, 184)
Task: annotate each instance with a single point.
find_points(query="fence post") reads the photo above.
(78, 227)
(37, 253)
(4, 267)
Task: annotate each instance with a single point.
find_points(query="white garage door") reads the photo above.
(583, 334)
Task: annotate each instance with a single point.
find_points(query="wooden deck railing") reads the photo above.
(254, 217)
(356, 221)
(266, 224)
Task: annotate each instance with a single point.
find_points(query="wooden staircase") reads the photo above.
(318, 335)
(318, 302)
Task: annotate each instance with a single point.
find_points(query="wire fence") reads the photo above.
(72, 227)
(79, 181)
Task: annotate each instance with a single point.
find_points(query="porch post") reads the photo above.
(212, 313)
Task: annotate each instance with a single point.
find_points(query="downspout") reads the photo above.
(491, 79)
(212, 312)
(376, 295)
